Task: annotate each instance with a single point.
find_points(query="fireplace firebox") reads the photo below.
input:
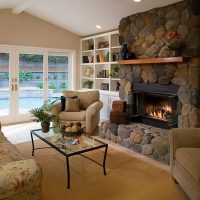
(154, 107)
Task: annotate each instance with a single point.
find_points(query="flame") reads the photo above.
(159, 113)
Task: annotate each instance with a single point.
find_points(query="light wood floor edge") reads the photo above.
(134, 154)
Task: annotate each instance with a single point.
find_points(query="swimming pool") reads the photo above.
(26, 102)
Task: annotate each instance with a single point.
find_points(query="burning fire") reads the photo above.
(161, 112)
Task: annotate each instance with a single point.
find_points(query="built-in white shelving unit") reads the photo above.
(99, 57)
(100, 53)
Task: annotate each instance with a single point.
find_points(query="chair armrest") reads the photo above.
(94, 108)
(56, 109)
(92, 116)
(19, 176)
(183, 137)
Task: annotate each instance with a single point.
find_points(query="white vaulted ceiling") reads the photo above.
(81, 16)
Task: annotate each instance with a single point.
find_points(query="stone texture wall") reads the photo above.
(146, 35)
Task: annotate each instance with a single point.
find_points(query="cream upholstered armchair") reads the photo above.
(185, 159)
(89, 114)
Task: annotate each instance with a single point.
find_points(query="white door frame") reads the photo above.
(14, 51)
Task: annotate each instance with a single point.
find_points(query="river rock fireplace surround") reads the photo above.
(146, 35)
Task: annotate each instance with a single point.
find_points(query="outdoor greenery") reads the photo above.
(52, 86)
(37, 58)
(23, 76)
(63, 85)
(4, 76)
(56, 88)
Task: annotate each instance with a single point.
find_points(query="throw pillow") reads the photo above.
(63, 100)
(72, 105)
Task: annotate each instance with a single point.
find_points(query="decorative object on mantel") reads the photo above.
(175, 44)
(126, 54)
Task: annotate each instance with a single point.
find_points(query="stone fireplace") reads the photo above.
(146, 35)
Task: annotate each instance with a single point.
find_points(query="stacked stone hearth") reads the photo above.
(147, 140)
(146, 36)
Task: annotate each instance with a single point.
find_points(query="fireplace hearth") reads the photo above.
(152, 106)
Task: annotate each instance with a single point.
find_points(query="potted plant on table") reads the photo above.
(43, 115)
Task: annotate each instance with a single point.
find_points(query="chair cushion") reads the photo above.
(63, 101)
(86, 98)
(72, 105)
(189, 159)
(73, 116)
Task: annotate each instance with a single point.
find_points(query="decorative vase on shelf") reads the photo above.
(124, 52)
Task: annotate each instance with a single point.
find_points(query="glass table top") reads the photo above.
(68, 145)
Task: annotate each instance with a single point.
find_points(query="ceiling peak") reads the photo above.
(19, 8)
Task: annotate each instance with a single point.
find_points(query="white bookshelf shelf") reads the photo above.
(89, 47)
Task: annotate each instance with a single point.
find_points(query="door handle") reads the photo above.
(15, 87)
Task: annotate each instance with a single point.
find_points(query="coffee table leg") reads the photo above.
(68, 173)
(33, 147)
(104, 160)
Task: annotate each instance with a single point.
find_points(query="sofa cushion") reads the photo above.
(189, 159)
(86, 97)
(73, 116)
(3, 139)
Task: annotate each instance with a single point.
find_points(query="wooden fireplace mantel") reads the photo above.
(151, 60)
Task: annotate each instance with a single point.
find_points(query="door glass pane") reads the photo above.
(30, 82)
(57, 76)
(4, 84)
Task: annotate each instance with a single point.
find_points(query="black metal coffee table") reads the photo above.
(55, 140)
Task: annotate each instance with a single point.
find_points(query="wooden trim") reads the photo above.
(151, 60)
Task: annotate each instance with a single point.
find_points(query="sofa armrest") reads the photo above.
(19, 176)
(183, 137)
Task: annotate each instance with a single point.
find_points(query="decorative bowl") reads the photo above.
(74, 134)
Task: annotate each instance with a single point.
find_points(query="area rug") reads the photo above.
(128, 178)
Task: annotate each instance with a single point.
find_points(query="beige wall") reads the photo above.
(26, 30)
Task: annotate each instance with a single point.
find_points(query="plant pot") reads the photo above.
(45, 127)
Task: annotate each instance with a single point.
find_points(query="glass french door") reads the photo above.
(28, 78)
(58, 75)
(7, 84)
(30, 81)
